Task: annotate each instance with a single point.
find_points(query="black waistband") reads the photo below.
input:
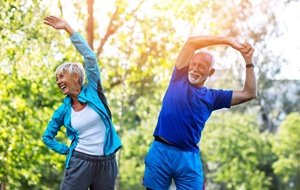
(159, 139)
(93, 158)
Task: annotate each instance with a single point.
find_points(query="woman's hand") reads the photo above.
(55, 22)
(58, 24)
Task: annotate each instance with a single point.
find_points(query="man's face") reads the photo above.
(200, 68)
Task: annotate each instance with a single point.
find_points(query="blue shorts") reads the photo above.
(164, 163)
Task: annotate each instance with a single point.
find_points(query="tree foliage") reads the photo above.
(28, 97)
(137, 43)
(234, 152)
(286, 147)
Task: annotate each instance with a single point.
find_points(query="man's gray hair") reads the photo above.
(205, 51)
(72, 68)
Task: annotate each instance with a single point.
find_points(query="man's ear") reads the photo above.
(211, 72)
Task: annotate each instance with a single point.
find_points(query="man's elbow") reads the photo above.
(252, 95)
(192, 42)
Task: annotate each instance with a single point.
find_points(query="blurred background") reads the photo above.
(254, 146)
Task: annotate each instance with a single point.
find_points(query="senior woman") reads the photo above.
(90, 161)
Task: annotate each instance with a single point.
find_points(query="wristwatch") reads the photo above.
(249, 65)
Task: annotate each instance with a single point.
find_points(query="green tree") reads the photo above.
(234, 152)
(286, 146)
(137, 49)
(28, 96)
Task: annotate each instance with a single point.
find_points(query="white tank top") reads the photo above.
(91, 131)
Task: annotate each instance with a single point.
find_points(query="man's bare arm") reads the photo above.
(249, 91)
(198, 42)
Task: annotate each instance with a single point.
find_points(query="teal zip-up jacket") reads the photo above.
(93, 95)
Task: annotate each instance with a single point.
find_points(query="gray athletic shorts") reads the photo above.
(90, 172)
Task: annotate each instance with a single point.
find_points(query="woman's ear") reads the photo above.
(76, 77)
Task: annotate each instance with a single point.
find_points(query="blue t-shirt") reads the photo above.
(185, 110)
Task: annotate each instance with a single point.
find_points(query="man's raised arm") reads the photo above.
(249, 92)
(198, 42)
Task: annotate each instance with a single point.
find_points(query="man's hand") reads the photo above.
(247, 52)
(235, 44)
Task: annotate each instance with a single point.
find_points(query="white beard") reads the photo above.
(193, 80)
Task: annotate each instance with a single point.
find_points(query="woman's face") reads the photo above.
(66, 82)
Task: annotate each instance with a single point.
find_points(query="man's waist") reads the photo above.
(160, 139)
(189, 148)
